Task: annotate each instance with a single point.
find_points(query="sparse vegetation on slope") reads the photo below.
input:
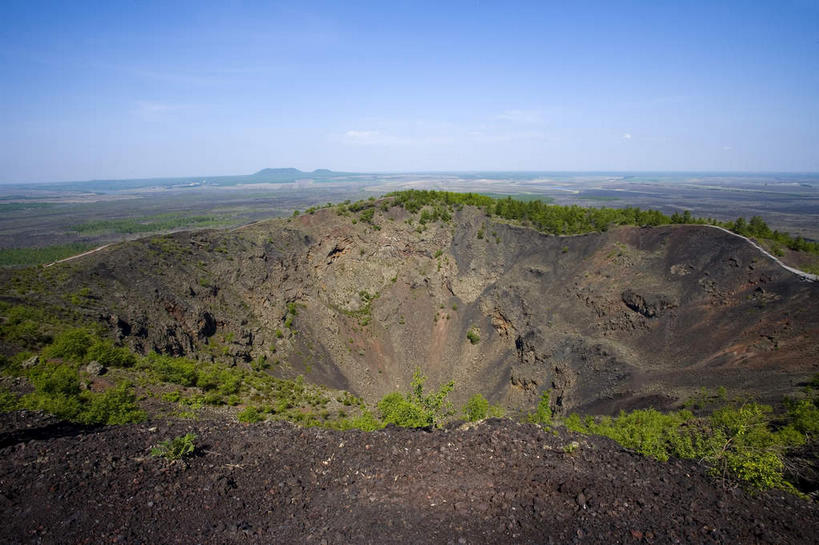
(742, 440)
(61, 376)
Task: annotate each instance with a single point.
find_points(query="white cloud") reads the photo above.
(727, 148)
(627, 135)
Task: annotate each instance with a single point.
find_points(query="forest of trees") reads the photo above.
(570, 220)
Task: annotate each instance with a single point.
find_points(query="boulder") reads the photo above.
(31, 362)
(95, 368)
(650, 306)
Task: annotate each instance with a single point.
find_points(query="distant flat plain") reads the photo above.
(89, 213)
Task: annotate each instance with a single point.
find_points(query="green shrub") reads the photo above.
(573, 219)
(65, 407)
(225, 381)
(260, 363)
(213, 398)
(55, 379)
(57, 391)
(473, 335)
(71, 345)
(367, 215)
(173, 397)
(249, 415)
(742, 444)
(366, 422)
(647, 431)
(23, 326)
(417, 410)
(180, 371)
(737, 441)
(476, 408)
(115, 407)
(396, 409)
(177, 448)
(496, 411)
(109, 355)
(8, 401)
(804, 416)
(543, 412)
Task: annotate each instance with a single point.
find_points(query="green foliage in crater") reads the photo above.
(417, 409)
(742, 440)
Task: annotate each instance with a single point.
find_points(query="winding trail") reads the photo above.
(802, 274)
(89, 252)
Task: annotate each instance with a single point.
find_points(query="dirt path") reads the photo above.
(802, 274)
(500, 482)
(71, 258)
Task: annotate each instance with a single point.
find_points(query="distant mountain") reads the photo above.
(289, 174)
(277, 173)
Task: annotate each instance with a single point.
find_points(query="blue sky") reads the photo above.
(142, 89)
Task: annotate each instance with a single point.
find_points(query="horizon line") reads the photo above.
(450, 171)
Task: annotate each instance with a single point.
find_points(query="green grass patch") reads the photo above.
(149, 224)
(22, 257)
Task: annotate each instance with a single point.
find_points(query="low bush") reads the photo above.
(23, 326)
(8, 401)
(107, 354)
(396, 409)
(417, 409)
(543, 413)
(365, 422)
(115, 407)
(740, 441)
(57, 391)
(249, 415)
(476, 408)
(71, 344)
(180, 371)
(177, 448)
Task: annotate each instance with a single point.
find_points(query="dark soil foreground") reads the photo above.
(499, 482)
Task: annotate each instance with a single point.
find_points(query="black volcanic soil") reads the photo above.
(498, 482)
